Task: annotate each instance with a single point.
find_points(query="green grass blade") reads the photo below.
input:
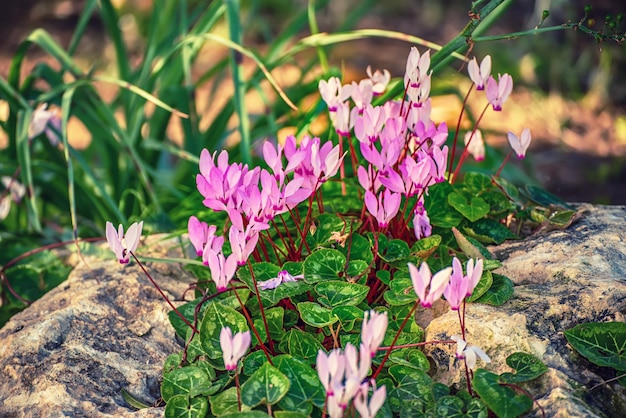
(139, 92)
(11, 95)
(111, 24)
(25, 162)
(234, 30)
(43, 39)
(66, 108)
(81, 26)
(321, 54)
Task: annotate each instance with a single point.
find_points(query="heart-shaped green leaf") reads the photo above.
(266, 385)
(226, 402)
(473, 210)
(324, 264)
(527, 367)
(339, 293)
(603, 343)
(502, 400)
(439, 210)
(306, 389)
(301, 345)
(215, 318)
(181, 406)
(348, 315)
(316, 315)
(500, 291)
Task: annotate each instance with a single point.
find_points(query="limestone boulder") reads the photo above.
(562, 279)
(75, 350)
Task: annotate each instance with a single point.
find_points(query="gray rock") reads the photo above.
(562, 279)
(72, 352)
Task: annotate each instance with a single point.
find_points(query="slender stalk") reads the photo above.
(506, 159)
(465, 152)
(238, 391)
(392, 346)
(252, 327)
(258, 298)
(458, 128)
(163, 295)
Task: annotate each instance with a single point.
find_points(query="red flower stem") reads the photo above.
(392, 346)
(417, 344)
(458, 127)
(238, 391)
(163, 295)
(506, 159)
(252, 327)
(258, 298)
(465, 152)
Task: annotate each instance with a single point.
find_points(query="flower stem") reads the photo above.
(238, 391)
(252, 327)
(392, 346)
(506, 160)
(163, 295)
(465, 152)
(458, 128)
(258, 298)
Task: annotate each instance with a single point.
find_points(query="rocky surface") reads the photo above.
(562, 279)
(73, 352)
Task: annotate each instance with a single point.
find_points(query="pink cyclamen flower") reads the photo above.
(475, 144)
(373, 330)
(358, 365)
(330, 369)
(283, 277)
(333, 93)
(122, 245)
(421, 222)
(222, 268)
(474, 273)
(379, 80)
(520, 145)
(428, 288)
(480, 75)
(498, 92)
(458, 286)
(14, 191)
(469, 353)
(369, 410)
(242, 244)
(341, 119)
(200, 233)
(44, 120)
(384, 206)
(233, 347)
(462, 286)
